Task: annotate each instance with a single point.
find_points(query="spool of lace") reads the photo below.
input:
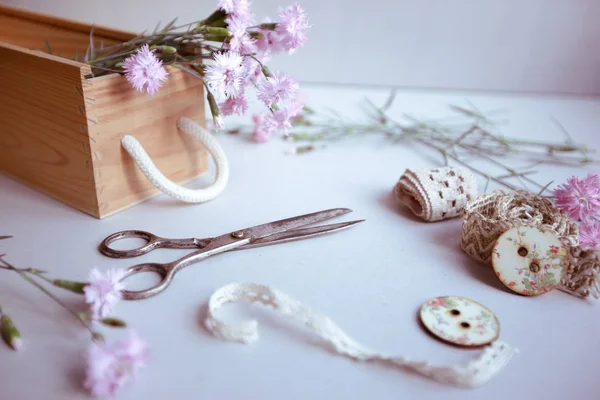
(582, 277)
(490, 215)
(436, 194)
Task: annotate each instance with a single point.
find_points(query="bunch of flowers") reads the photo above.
(228, 51)
(109, 366)
(580, 199)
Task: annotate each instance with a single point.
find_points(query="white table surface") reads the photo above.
(371, 279)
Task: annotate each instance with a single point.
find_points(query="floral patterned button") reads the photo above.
(529, 261)
(460, 321)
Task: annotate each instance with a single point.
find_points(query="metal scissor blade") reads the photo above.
(284, 225)
(296, 234)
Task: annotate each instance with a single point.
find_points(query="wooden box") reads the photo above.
(61, 128)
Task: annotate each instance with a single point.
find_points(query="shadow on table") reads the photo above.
(447, 234)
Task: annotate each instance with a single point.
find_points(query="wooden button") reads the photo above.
(529, 261)
(460, 321)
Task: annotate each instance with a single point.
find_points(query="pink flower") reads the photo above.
(240, 41)
(145, 71)
(292, 27)
(109, 367)
(589, 235)
(226, 75)
(276, 88)
(236, 105)
(103, 292)
(253, 69)
(263, 128)
(235, 7)
(269, 44)
(580, 199)
(281, 119)
(554, 249)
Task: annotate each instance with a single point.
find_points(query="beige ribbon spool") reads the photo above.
(436, 194)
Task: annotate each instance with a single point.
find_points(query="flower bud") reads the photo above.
(304, 149)
(214, 110)
(266, 71)
(113, 322)
(97, 337)
(163, 49)
(256, 35)
(10, 333)
(218, 31)
(270, 26)
(75, 287)
(216, 17)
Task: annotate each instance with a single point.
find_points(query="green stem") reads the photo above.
(23, 274)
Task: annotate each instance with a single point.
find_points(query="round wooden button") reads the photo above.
(528, 260)
(460, 321)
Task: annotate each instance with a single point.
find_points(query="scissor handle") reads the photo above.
(165, 271)
(152, 242)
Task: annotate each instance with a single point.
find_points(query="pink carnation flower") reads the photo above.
(110, 367)
(589, 235)
(292, 27)
(281, 119)
(269, 44)
(579, 198)
(103, 292)
(145, 71)
(226, 75)
(263, 128)
(235, 7)
(240, 41)
(276, 88)
(232, 106)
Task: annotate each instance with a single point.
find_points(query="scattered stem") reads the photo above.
(23, 273)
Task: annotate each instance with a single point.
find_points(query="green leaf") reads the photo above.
(113, 322)
(75, 287)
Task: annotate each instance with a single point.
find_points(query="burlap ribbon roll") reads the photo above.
(490, 215)
(436, 194)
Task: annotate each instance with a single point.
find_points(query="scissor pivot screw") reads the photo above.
(238, 234)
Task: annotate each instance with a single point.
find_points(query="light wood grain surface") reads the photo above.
(114, 109)
(61, 129)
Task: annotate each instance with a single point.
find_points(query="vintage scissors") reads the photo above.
(271, 233)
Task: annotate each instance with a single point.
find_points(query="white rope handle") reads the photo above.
(473, 374)
(190, 127)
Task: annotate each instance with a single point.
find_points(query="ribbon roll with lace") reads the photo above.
(473, 374)
(489, 216)
(436, 194)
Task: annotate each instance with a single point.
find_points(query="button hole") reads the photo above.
(523, 251)
(441, 194)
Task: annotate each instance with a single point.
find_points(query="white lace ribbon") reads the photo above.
(473, 374)
(161, 182)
